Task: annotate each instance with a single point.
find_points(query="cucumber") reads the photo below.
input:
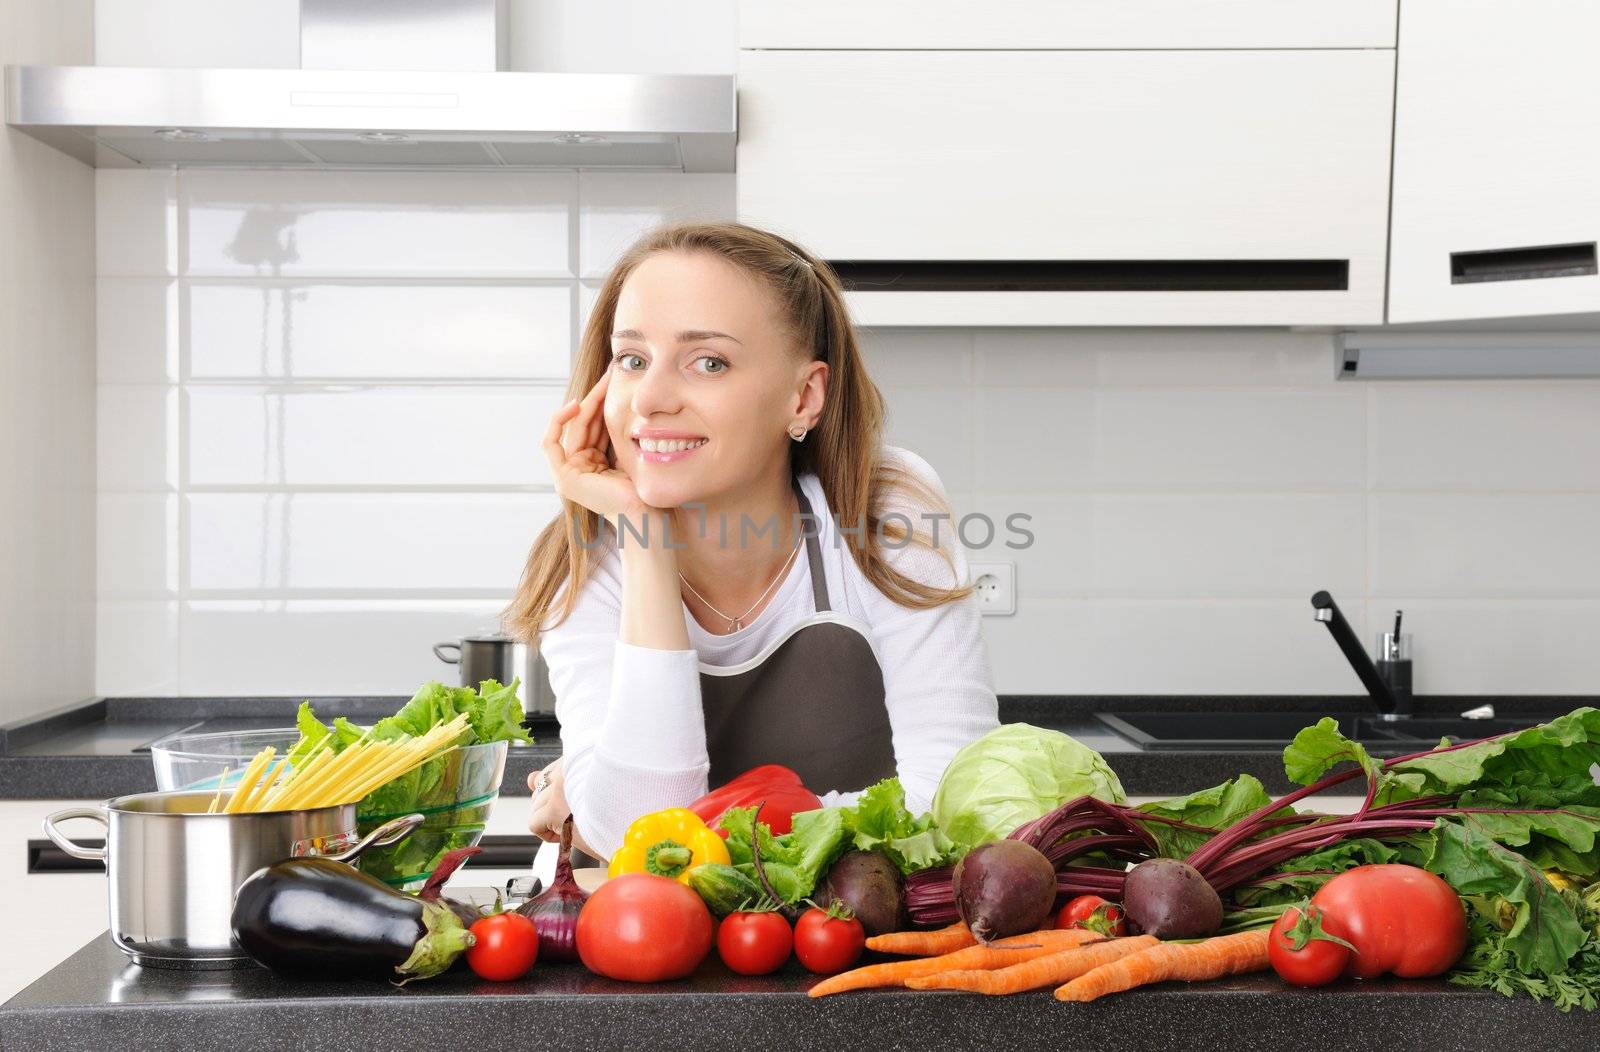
(723, 888)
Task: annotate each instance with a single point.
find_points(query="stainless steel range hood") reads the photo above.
(461, 111)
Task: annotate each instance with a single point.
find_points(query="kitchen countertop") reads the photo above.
(93, 750)
(96, 998)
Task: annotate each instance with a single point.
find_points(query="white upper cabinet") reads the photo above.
(1497, 160)
(932, 24)
(1079, 187)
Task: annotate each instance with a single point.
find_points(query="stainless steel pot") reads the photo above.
(502, 659)
(174, 869)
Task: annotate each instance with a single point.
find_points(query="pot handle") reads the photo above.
(386, 834)
(440, 648)
(65, 843)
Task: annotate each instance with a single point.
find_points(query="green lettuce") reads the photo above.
(494, 713)
(880, 822)
(795, 861)
(799, 859)
(1012, 775)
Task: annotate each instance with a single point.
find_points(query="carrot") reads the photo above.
(1211, 959)
(997, 954)
(924, 943)
(1040, 972)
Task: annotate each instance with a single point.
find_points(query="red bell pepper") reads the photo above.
(773, 784)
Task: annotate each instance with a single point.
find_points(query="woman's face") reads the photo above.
(737, 393)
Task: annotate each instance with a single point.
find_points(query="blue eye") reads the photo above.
(721, 362)
(617, 358)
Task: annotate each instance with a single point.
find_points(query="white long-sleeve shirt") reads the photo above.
(632, 728)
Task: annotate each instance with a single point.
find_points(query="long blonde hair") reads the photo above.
(845, 449)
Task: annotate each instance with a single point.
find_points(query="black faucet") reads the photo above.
(1392, 704)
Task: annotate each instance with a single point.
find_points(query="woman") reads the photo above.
(753, 595)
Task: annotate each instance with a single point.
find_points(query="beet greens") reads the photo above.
(1509, 806)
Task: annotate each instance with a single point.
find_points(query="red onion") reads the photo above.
(554, 911)
(433, 890)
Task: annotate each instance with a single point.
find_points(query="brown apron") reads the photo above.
(814, 703)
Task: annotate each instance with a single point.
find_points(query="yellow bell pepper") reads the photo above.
(667, 843)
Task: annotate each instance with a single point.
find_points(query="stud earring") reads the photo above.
(797, 433)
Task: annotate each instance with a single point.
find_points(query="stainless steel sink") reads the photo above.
(1274, 730)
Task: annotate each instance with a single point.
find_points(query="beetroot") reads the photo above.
(1171, 900)
(871, 886)
(1004, 888)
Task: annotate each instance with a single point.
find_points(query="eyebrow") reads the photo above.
(687, 336)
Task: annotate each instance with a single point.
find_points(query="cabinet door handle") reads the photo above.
(1522, 264)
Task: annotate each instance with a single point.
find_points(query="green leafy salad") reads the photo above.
(454, 792)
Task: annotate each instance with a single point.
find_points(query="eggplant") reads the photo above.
(318, 917)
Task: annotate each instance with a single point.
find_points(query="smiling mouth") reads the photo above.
(665, 446)
(666, 451)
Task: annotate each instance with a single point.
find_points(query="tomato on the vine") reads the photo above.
(1307, 947)
(505, 947)
(754, 942)
(828, 940)
(1094, 913)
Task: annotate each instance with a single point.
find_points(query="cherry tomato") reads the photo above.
(643, 928)
(1094, 913)
(506, 947)
(755, 943)
(827, 943)
(1303, 948)
(1401, 919)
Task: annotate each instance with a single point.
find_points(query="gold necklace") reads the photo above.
(738, 622)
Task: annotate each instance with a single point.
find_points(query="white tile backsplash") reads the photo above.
(1486, 646)
(390, 543)
(136, 223)
(137, 549)
(365, 362)
(307, 331)
(321, 646)
(1205, 438)
(136, 648)
(1504, 545)
(1167, 647)
(137, 437)
(614, 208)
(369, 436)
(1486, 437)
(136, 330)
(1237, 545)
(380, 224)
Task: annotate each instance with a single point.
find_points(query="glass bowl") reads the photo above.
(198, 761)
(455, 794)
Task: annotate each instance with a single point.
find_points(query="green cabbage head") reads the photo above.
(1012, 775)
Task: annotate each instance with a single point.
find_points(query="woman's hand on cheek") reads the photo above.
(577, 446)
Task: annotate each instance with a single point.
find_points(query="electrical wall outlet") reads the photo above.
(997, 587)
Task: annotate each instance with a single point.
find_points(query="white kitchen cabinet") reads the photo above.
(1227, 186)
(52, 914)
(1497, 162)
(931, 24)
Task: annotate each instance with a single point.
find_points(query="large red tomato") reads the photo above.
(643, 928)
(1401, 919)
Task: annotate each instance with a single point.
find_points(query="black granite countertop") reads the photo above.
(100, 749)
(97, 999)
